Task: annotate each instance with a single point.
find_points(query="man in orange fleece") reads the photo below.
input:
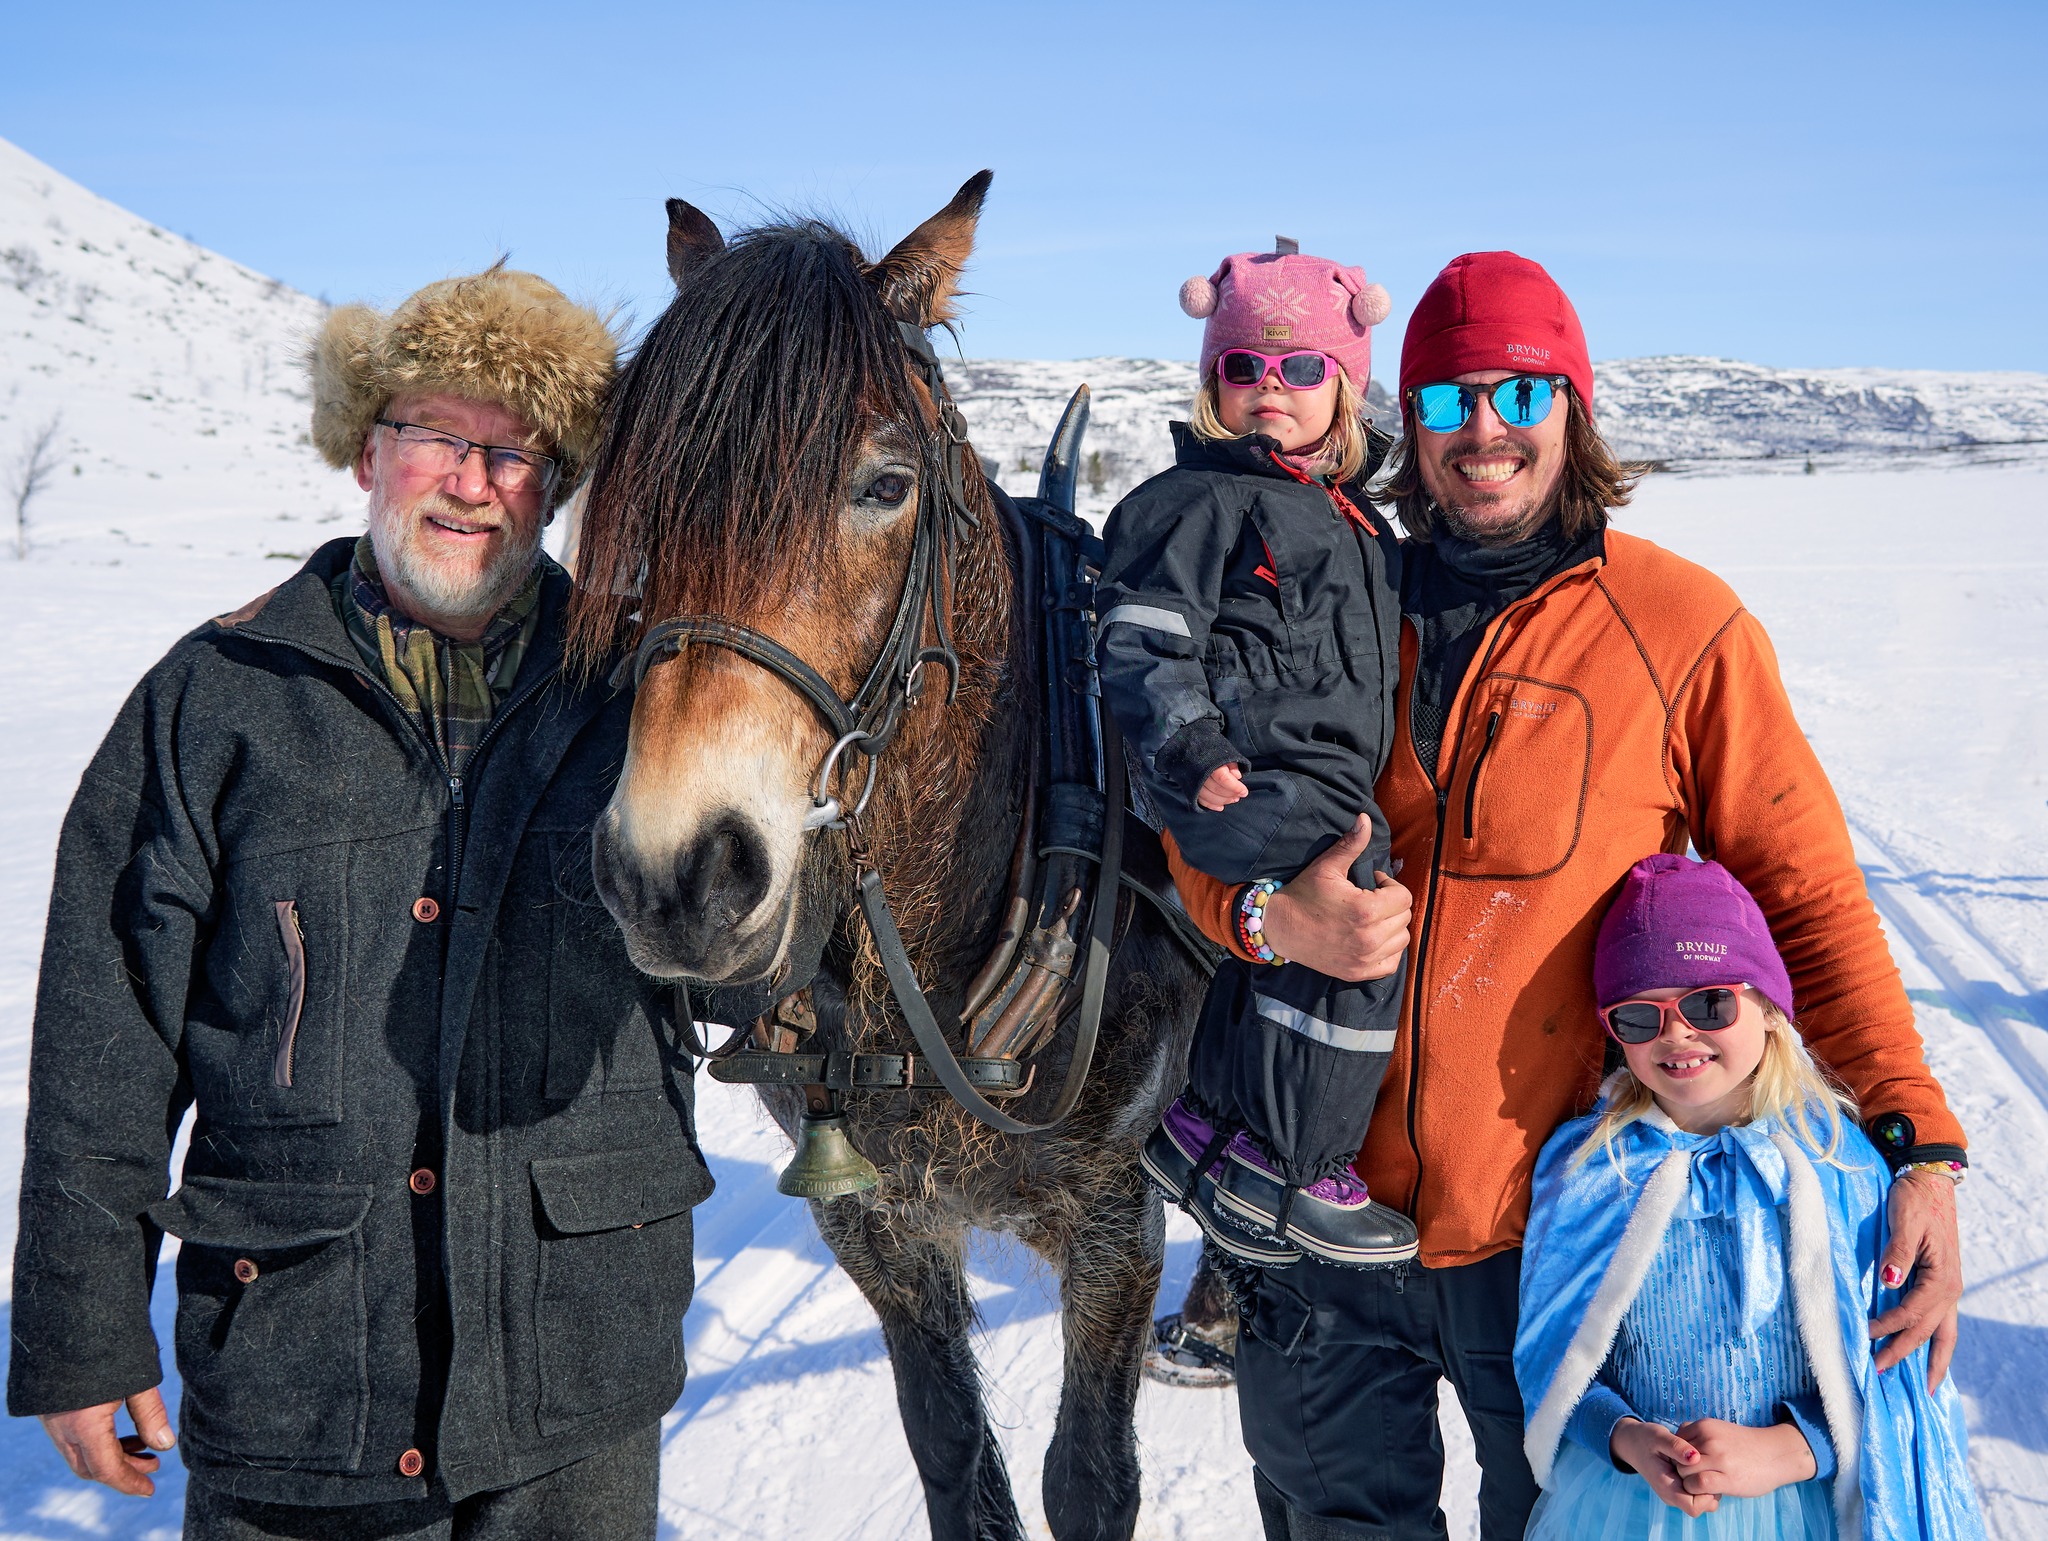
(1572, 699)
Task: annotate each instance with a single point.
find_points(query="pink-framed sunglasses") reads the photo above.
(1303, 370)
(1709, 1009)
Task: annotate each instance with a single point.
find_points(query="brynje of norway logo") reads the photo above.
(1704, 951)
(1528, 350)
(1276, 304)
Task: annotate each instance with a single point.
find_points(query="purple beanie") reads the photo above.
(1678, 921)
(1282, 302)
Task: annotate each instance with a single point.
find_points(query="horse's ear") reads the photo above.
(691, 238)
(919, 277)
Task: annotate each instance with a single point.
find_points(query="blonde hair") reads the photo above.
(1788, 1084)
(1345, 447)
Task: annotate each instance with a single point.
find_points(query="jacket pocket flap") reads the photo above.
(615, 1188)
(261, 1216)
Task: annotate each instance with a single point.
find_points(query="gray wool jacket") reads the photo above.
(436, 1210)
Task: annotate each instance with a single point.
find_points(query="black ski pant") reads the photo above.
(612, 1495)
(1293, 1057)
(1337, 1377)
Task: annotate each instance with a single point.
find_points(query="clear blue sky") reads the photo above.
(1793, 183)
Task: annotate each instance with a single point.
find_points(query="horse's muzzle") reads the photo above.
(700, 913)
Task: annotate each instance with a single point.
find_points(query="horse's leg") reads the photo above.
(918, 1288)
(1109, 1276)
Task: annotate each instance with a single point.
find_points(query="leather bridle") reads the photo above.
(867, 725)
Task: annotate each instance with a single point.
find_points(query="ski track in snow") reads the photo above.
(789, 1425)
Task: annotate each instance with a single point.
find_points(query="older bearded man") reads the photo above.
(1572, 699)
(326, 882)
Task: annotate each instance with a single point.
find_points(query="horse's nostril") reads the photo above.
(724, 873)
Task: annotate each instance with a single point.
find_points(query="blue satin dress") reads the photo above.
(1711, 1335)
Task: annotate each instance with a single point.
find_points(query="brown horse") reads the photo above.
(768, 452)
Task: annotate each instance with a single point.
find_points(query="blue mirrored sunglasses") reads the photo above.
(1521, 401)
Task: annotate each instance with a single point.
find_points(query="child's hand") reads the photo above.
(1740, 1462)
(1223, 786)
(1659, 1456)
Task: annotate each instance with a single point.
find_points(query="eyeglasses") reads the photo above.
(1521, 401)
(509, 468)
(1709, 1008)
(1245, 367)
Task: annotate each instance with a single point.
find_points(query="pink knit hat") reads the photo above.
(1280, 301)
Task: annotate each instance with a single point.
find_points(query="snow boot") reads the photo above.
(1181, 1156)
(1334, 1219)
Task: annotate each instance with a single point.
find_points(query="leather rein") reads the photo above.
(867, 725)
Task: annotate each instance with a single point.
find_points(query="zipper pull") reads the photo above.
(1472, 784)
(455, 790)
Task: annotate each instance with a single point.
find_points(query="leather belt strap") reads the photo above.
(847, 1072)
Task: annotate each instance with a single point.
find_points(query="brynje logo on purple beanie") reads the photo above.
(1679, 922)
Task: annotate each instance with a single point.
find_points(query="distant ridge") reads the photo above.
(1676, 409)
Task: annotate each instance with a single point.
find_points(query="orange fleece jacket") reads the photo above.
(1627, 705)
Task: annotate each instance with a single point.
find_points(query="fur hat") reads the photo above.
(499, 336)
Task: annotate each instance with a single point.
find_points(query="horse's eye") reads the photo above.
(889, 489)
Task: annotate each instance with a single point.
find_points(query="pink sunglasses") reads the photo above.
(1301, 371)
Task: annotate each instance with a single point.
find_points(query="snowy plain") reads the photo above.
(1907, 594)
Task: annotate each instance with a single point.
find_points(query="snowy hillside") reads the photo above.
(169, 372)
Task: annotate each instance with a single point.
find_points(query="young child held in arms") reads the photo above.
(1249, 648)
(1701, 1265)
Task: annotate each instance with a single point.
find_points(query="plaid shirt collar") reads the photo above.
(452, 689)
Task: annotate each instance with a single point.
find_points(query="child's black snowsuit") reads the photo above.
(1245, 619)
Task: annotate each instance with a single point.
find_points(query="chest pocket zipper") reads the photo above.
(1479, 763)
(294, 937)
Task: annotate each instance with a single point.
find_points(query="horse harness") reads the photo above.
(1068, 856)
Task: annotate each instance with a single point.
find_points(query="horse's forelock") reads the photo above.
(732, 431)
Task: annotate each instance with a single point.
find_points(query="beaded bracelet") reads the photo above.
(1251, 920)
(1954, 1171)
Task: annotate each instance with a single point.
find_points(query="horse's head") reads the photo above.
(765, 461)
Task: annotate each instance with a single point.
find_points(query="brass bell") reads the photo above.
(826, 1165)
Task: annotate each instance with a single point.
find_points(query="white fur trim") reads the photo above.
(1813, 1304)
(1371, 305)
(1591, 1344)
(1198, 298)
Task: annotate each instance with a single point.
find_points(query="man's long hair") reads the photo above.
(1594, 481)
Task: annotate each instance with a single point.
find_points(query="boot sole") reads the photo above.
(1259, 1221)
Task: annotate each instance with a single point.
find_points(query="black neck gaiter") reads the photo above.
(1451, 589)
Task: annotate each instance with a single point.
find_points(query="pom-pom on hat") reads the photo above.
(1281, 301)
(1494, 310)
(1682, 922)
(499, 336)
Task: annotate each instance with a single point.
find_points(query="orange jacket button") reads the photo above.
(411, 1464)
(425, 910)
(421, 1182)
(245, 1270)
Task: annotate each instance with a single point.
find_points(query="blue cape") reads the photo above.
(1902, 1470)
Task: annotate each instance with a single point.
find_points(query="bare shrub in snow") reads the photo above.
(30, 474)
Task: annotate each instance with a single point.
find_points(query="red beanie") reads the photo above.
(1494, 310)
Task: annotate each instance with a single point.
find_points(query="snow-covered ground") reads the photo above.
(1908, 595)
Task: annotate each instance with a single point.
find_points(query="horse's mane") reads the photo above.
(732, 431)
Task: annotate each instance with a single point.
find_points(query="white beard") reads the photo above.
(447, 592)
